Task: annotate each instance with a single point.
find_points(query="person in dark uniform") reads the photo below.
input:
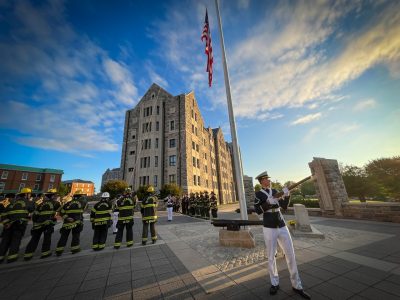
(15, 219)
(214, 205)
(44, 219)
(192, 205)
(207, 205)
(268, 203)
(125, 207)
(100, 216)
(148, 208)
(72, 213)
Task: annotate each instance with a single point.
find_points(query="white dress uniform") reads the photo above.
(115, 218)
(170, 206)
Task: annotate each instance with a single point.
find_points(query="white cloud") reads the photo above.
(365, 104)
(73, 79)
(307, 119)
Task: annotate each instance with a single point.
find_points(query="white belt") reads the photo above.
(272, 210)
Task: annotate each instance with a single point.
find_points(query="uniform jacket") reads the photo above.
(148, 208)
(266, 206)
(44, 213)
(125, 206)
(17, 211)
(101, 213)
(72, 213)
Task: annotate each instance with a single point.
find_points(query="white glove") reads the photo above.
(285, 191)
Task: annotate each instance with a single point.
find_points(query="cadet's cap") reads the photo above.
(263, 175)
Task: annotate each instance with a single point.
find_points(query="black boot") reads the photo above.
(273, 289)
(302, 293)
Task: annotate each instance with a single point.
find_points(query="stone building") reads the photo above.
(74, 185)
(166, 141)
(108, 175)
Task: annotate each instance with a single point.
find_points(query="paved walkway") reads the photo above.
(356, 260)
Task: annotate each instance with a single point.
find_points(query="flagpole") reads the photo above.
(236, 154)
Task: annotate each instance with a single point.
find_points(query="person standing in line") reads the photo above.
(115, 214)
(170, 207)
(214, 205)
(15, 219)
(100, 216)
(125, 206)
(44, 219)
(148, 209)
(72, 213)
(268, 203)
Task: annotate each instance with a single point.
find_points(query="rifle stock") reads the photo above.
(280, 194)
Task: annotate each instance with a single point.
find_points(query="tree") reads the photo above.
(296, 190)
(276, 185)
(257, 187)
(63, 190)
(114, 187)
(357, 182)
(385, 172)
(307, 188)
(171, 189)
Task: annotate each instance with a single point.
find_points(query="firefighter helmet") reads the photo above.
(51, 191)
(150, 189)
(105, 195)
(25, 191)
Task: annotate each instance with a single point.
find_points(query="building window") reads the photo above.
(133, 136)
(192, 128)
(2, 185)
(130, 170)
(172, 143)
(198, 163)
(36, 187)
(158, 110)
(206, 182)
(172, 160)
(197, 148)
(192, 113)
(195, 117)
(198, 180)
(196, 131)
(205, 168)
(156, 143)
(38, 177)
(52, 178)
(155, 161)
(155, 180)
(205, 155)
(4, 175)
(24, 176)
(193, 146)
(172, 125)
(172, 178)
(194, 162)
(132, 152)
(157, 126)
(194, 179)
(21, 186)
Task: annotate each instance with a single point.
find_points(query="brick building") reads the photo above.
(166, 141)
(78, 184)
(14, 178)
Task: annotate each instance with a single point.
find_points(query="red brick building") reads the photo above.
(14, 178)
(78, 184)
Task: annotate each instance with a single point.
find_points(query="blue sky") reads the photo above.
(309, 79)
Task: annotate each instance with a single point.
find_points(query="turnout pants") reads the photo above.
(120, 234)
(145, 231)
(47, 231)
(214, 213)
(272, 237)
(99, 236)
(76, 233)
(169, 211)
(11, 241)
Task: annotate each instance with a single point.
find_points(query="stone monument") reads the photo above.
(303, 228)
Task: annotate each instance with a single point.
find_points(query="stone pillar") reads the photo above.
(249, 190)
(329, 185)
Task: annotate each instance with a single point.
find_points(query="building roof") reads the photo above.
(77, 181)
(30, 169)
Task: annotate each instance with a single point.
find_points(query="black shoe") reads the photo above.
(302, 293)
(143, 243)
(273, 289)
(154, 241)
(58, 253)
(27, 258)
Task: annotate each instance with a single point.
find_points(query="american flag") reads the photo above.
(208, 50)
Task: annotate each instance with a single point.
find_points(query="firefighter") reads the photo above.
(148, 209)
(214, 205)
(5, 201)
(100, 216)
(72, 213)
(15, 219)
(207, 205)
(125, 207)
(198, 205)
(192, 205)
(44, 219)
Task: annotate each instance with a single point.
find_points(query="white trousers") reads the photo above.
(272, 237)
(169, 211)
(115, 220)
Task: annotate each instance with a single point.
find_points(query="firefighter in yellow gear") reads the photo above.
(15, 219)
(72, 213)
(44, 219)
(100, 216)
(125, 207)
(148, 208)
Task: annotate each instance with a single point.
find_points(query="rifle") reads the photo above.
(293, 186)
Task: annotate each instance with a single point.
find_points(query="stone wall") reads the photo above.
(329, 185)
(385, 212)
(249, 190)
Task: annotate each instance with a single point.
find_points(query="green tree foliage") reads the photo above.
(276, 185)
(171, 189)
(114, 187)
(63, 190)
(141, 193)
(257, 187)
(295, 191)
(357, 182)
(307, 188)
(385, 173)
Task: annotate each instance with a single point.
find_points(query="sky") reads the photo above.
(308, 79)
